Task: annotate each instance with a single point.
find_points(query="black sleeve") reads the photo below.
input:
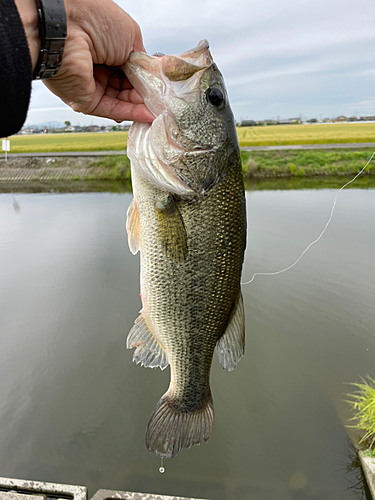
(15, 70)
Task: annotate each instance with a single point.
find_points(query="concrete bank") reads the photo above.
(368, 466)
(50, 168)
(17, 489)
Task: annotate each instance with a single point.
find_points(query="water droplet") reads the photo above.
(161, 470)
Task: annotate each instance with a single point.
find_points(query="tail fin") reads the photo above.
(170, 430)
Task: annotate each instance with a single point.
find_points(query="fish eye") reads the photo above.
(215, 96)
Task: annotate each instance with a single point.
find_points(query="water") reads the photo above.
(74, 408)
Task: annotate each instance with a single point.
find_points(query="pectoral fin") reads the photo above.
(231, 347)
(149, 352)
(171, 229)
(132, 227)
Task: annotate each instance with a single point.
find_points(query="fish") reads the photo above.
(188, 221)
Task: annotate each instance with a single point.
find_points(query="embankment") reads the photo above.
(292, 164)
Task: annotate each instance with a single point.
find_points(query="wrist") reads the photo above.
(29, 16)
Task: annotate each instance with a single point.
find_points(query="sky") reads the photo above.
(308, 58)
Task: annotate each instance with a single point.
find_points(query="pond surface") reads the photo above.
(74, 408)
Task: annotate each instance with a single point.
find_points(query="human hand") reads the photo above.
(100, 38)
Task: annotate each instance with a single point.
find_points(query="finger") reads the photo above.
(108, 76)
(102, 73)
(115, 81)
(115, 109)
(126, 84)
(130, 95)
(138, 42)
(112, 80)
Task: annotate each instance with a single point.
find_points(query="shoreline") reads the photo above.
(257, 164)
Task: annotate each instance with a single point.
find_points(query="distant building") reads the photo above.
(290, 121)
(368, 118)
(269, 122)
(26, 131)
(341, 119)
(91, 128)
(248, 123)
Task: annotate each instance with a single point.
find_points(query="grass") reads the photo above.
(302, 163)
(369, 453)
(293, 167)
(363, 403)
(248, 136)
(112, 168)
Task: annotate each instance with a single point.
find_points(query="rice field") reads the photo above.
(45, 143)
(335, 133)
(248, 136)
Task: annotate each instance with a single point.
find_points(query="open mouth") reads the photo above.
(199, 57)
(151, 76)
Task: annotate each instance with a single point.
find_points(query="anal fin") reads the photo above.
(231, 346)
(149, 352)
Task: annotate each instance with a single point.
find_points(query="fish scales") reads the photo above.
(190, 229)
(190, 302)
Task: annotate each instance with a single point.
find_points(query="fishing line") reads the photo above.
(320, 235)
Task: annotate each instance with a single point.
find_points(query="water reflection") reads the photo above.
(73, 408)
(354, 473)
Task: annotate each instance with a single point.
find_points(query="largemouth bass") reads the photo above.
(188, 221)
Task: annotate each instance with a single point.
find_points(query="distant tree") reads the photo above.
(67, 123)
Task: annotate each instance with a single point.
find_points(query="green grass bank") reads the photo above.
(310, 163)
(268, 164)
(256, 165)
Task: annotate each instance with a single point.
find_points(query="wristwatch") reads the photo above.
(53, 32)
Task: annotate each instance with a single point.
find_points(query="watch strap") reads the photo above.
(53, 33)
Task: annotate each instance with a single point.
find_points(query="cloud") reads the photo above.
(36, 110)
(299, 56)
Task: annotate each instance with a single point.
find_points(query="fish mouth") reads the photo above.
(159, 77)
(151, 76)
(175, 68)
